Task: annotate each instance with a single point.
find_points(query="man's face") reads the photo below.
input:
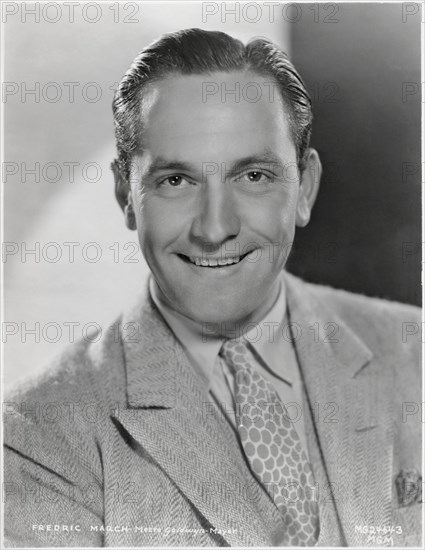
(216, 184)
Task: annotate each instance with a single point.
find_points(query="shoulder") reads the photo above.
(352, 303)
(50, 418)
(387, 327)
(373, 317)
(391, 332)
(83, 370)
(368, 313)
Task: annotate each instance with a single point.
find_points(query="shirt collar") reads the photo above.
(269, 337)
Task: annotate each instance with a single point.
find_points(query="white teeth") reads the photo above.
(213, 262)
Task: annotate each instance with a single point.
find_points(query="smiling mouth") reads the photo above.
(213, 262)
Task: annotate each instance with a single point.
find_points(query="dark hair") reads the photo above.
(196, 51)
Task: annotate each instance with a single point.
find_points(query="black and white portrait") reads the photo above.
(211, 255)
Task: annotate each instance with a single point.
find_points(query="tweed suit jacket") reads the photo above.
(117, 443)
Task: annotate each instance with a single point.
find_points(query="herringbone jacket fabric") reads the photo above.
(117, 443)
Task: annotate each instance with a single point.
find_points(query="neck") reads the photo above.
(228, 329)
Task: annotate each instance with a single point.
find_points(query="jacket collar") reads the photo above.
(154, 358)
(320, 324)
(152, 353)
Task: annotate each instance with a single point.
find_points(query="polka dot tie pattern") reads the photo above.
(273, 448)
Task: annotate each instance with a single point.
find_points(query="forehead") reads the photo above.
(214, 117)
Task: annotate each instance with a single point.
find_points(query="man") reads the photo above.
(238, 405)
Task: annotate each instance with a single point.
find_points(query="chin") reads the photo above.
(226, 316)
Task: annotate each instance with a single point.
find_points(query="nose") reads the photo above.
(216, 219)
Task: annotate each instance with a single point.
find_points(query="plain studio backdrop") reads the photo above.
(70, 263)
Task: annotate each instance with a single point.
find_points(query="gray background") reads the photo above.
(367, 211)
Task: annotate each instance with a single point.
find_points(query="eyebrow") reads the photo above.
(267, 156)
(162, 164)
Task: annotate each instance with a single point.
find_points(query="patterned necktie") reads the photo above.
(272, 447)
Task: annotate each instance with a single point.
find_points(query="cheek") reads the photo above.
(158, 223)
(274, 219)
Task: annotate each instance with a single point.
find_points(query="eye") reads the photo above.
(175, 181)
(255, 176)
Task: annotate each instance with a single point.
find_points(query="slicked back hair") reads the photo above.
(196, 51)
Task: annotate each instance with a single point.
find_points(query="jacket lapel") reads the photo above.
(350, 396)
(171, 416)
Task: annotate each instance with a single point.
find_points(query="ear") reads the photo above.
(309, 187)
(123, 195)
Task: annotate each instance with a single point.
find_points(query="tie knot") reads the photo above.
(235, 353)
